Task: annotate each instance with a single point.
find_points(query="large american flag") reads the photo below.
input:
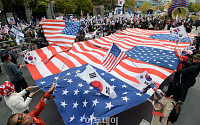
(113, 57)
(81, 99)
(60, 32)
(85, 52)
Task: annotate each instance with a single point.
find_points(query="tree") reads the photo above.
(13, 5)
(196, 7)
(131, 4)
(85, 5)
(167, 6)
(37, 5)
(190, 7)
(144, 7)
(65, 6)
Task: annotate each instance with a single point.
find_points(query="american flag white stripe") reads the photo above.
(52, 31)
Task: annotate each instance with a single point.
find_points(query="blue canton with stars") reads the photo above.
(115, 50)
(71, 28)
(168, 37)
(160, 57)
(81, 104)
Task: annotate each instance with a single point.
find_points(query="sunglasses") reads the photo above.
(20, 118)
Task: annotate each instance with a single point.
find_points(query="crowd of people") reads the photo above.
(15, 91)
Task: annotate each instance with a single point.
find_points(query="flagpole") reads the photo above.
(135, 65)
(107, 49)
(58, 75)
(62, 68)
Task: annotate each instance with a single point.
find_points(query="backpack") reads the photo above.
(173, 116)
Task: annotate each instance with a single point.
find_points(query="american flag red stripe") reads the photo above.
(52, 31)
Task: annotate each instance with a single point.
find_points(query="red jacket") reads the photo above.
(185, 58)
(37, 110)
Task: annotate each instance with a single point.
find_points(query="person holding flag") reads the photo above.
(32, 118)
(14, 73)
(166, 104)
(184, 58)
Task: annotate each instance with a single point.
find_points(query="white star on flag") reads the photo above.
(82, 118)
(68, 73)
(125, 98)
(109, 105)
(70, 81)
(65, 92)
(124, 86)
(92, 117)
(138, 94)
(112, 79)
(76, 92)
(95, 102)
(98, 94)
(75, 104)
(80, 85)
(125, 93)
(55, 78)
(85, 103)
(63, 104)
(86, 91)
(113, 86)
(72, 118)
(42, 82)
(90, 87)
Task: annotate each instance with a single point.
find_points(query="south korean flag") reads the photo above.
(144, 79)
(31, 58)
(94, 79)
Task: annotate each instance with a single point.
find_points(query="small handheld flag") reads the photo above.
(94, 79)
(113, 57)
(31, 58)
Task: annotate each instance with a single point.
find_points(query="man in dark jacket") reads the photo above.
(14, 73)
(187, 76)
(8, 51)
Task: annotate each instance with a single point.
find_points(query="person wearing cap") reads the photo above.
(14, 73)
(14, 100)
(32, 118)
(186, 76)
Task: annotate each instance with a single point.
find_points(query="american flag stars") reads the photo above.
(88, 104)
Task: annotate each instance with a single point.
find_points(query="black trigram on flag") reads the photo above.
(93, 75)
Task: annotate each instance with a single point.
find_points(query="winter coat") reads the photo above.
(16, 103)
(168, 106)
